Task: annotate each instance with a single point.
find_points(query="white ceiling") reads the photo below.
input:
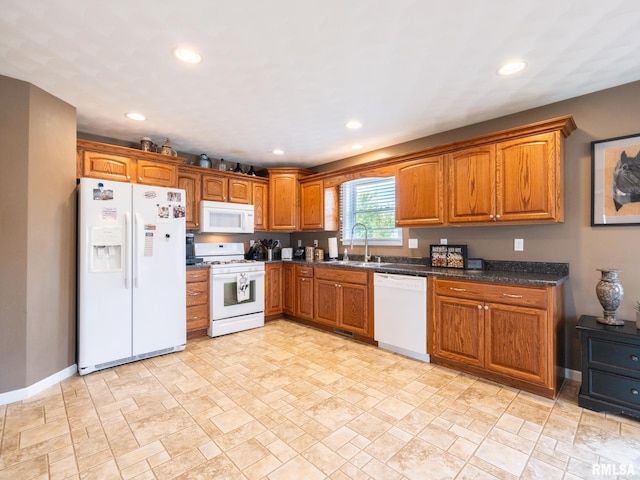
(290, 73)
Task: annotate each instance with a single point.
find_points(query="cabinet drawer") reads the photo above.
(197, 275)
(198, 313)
(615, 354)
(303, 271)
(197, 293)
(494, 293)
(610, 386)
(341, 275)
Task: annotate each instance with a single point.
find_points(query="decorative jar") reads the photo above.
(610, 293)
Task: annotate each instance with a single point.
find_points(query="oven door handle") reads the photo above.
(222, 276)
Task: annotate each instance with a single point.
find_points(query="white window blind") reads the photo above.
(372, 202)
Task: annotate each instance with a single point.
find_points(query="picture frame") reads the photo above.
(448, 256)
(615, 181)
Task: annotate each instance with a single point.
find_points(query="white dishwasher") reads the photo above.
(400, 314)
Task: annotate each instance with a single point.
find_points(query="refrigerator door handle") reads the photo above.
(137, 244)
(127, 247)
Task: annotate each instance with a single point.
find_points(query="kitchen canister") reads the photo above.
(309, 254)
(319, 255)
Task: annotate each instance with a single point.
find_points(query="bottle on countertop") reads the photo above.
(345, 257)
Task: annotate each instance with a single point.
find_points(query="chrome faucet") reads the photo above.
(366, 240)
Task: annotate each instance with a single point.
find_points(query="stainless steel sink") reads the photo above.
(353, 263)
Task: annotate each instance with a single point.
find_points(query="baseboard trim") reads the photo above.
(31, 390)
(572, 375)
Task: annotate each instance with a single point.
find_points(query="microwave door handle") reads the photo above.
(251, 275)
(243, 221)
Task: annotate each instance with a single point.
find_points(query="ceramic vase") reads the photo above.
(610, 293)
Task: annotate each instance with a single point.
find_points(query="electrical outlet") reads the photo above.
(315, 243)
(413, 243)
(443, 241)
(518, 245)
(252, 243)
(299, 243)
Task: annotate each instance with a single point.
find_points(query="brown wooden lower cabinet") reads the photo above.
(289, 288)
(197, 301)
(273, 294)
(304, 292)
(504, 333)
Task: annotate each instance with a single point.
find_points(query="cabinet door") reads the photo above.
(459, 330)
(312, 205)
(283, 202)
(108, 166)
(155, 173)
(354, 311)
(289, 289)
(419, 193)
(472, 180)
(304, 298)
(190, 182)
(214, 188)
(528, 187)
(240, 191)
(273, 289)
(327, 298)
(516, 342)
(260, 200)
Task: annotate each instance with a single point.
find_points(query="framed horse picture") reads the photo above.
(615, 181)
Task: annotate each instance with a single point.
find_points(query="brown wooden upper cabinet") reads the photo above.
(223, 189)
(260, 205)
(312, 205)
(107, 166)
(515, 181)
(190, 181)
(419, 192)
(154, 173)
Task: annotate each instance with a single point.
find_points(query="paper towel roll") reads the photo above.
(333, 247)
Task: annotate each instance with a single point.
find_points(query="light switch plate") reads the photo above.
(518, 244)
(413, 243)
(299, 243)
(443, 241)
(315, 243)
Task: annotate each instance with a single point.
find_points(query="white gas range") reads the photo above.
(236, 292)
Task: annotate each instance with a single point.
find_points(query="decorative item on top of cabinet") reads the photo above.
(419, 192)
(197, 301)
(283, 198)
(505, 333)
(273, 294)
(610, 294)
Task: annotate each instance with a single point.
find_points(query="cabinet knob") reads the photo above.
(491, 215)
(634, 391)
(486, 307)
(479, 307)
(634, 358)
(139, 179)
(498, 216)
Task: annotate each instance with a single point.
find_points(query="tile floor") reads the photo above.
(290, 402)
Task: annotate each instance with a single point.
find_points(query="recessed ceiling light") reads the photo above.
(357, 146)
(136, 116)
(354, 124)
(278, 151)
(512, 67)
(187, 55)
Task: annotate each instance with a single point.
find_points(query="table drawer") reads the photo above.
(609, 386)
(197, 293)
(616, 354)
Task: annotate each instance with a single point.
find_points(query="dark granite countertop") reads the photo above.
(519, 273)
(197, 266)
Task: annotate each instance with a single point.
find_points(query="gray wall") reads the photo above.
(37, 235)
(606, 114)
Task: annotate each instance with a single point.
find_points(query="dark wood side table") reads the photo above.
(610, 367)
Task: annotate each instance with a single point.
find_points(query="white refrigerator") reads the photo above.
(131, 272)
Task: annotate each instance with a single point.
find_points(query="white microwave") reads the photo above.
(222, 217)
